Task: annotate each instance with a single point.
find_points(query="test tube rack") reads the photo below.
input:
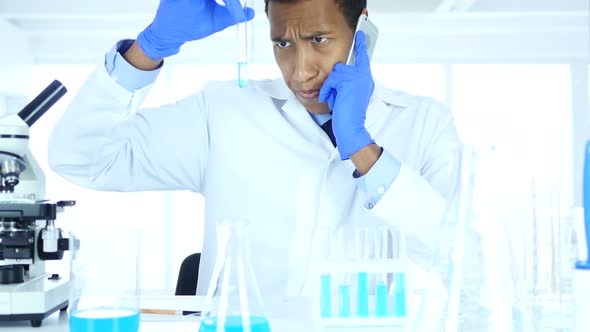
(371, 307)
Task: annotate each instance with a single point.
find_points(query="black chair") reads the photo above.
(188, 275)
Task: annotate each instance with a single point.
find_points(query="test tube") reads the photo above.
(326, 278)
(344, 296)
(242, 42)
(326, 295)
(362, 281)
(399, 294)
(399, 280)
(382, 242)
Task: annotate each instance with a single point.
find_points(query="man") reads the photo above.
(266, 153)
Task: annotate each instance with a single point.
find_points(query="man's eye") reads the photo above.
(320, 40)
(282, 44)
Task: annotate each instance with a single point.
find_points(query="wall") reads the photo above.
(16, 62)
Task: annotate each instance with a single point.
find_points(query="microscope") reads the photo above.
(28, 236)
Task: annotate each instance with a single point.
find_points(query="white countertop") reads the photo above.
(285, 315)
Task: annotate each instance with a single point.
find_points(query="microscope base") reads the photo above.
(34, 299)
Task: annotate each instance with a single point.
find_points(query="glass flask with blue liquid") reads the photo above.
(233, 302)
(104, 271)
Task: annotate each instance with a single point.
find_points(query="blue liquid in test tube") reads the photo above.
(362, 295)
(399, 295)
(326, 296)
(344, 301)
(243, 74)
(381, 299)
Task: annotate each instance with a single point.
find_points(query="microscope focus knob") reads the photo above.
(12, 274)
(50, 238)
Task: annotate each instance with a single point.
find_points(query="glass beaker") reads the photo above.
(105, 281)
(475, 283)
(233, 302)
(550, 253)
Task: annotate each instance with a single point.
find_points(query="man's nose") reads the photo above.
(304, 67)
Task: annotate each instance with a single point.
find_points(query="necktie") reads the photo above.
(327, 127)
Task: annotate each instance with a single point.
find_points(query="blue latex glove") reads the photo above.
(180, 21)
(348, 90)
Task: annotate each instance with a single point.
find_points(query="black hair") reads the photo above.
(351, 9)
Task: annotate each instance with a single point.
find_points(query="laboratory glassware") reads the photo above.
(479, 286)
(358, 284)
(549, 253)
(242, 42)
(326, 278)
(105, 277)
(233, 301)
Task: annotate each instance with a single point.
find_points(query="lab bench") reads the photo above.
(285, 315)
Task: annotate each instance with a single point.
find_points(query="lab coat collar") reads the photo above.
(277, 89)
(379, 105)
(381, 102)
(389, 96)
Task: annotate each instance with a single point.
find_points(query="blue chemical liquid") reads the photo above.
(362, 295)
(344, 301)
(105, 320)
(243, 74)
(381, 300)
(235, 324)
(399, 295)
(326, 296)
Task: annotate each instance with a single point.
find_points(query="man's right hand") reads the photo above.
(180, 21)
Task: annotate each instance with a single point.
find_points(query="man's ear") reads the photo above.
(365, 11)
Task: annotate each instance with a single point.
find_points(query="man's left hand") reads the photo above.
(348, 90)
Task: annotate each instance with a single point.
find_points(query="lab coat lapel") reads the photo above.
(302, 121)
(296, 114)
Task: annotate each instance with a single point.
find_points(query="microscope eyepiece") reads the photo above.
(43, 102)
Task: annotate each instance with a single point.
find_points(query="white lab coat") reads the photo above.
(255, 160)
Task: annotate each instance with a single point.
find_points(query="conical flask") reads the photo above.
(233, 302)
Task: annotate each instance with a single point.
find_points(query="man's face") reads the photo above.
(309, 38)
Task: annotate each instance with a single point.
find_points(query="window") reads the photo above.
(417, 79)
(525, 111)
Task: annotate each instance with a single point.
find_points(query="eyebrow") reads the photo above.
(307, 36)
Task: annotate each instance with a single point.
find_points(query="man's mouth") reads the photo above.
(308, 94)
